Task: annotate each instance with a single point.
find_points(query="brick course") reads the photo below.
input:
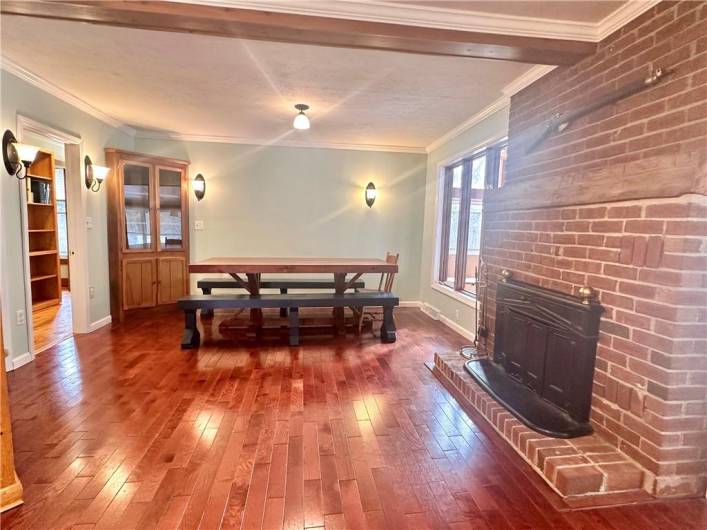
(647, 256)
(585, 466)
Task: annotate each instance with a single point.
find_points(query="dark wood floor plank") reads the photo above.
(120, 429)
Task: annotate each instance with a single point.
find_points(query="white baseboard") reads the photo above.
(99, 323)
(20, 360)
(435, 314)
(430, 311)
(411, 303)
(468, 334)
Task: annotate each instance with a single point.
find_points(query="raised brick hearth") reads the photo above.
(618, 201)
(581, 467)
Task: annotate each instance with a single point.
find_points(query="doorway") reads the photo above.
(52, 323)
(56, 297)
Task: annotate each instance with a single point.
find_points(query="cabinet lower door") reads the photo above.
(139, 283)
(172, 279)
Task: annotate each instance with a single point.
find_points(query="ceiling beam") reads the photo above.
(303, 29)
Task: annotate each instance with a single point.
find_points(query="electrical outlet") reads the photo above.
(456, 314)
(89, 222)
(91, 292)
(20, 317)
(199, 225)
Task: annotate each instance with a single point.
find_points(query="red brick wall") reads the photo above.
(645, 254)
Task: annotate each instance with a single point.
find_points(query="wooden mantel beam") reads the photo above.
(303, 29)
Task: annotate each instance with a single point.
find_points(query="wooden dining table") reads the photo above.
(247, 272)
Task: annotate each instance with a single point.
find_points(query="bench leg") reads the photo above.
(388, 326)
(294, 326)
(283, 310)
(206, 312)
(191, 337)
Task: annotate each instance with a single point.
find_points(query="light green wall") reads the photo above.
(260, 201)
(493, 127)
(19, 97)
(286, 201)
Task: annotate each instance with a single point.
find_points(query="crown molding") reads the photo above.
(526, 79)
(446, 18)
(166, 135)
(622, 16)
(484, 113)
(50, 88)
(515, 86)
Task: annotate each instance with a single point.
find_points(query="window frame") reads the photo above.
(65, 213)
(491, 150)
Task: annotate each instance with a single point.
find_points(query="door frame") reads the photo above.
(76, 208)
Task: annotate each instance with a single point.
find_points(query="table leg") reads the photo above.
(206, 291)
(388, 326)
(190, 337)
(339, 288)
(283, 310)
(256, 315)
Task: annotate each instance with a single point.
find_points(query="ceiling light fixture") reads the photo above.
(301, 120)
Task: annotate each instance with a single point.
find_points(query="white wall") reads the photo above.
(451, 309)
(19, 97)
(286, 201)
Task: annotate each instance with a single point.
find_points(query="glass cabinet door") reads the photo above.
(169, 182)
(136, 197)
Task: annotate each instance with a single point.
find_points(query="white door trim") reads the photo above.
(76, 201)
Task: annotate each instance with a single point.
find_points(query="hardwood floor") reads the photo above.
(53, 324)
(121, 429)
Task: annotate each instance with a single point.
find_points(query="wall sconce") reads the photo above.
(199, 186)
(94, 175)
(371, 194)
(16, 155)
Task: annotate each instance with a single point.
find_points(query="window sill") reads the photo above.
(466, 299)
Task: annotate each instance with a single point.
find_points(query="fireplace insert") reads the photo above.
(544, 354)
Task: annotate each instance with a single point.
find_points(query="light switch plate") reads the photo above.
(89, 222)
(198, 225)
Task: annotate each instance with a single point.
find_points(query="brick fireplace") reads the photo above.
(618, 202)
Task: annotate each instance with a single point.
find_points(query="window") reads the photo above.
(464, 183)
(59, 183)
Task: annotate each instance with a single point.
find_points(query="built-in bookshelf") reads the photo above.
(45, 277)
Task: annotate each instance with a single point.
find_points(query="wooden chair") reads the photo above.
(384, 286)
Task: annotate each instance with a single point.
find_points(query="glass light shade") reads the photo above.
(100, 173)
(301, 121)
(198, 186)
(371, 194)
(26, 152)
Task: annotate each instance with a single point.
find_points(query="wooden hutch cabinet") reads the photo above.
(148, 230)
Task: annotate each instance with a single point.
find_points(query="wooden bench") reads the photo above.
(291, 302)
(283, 285)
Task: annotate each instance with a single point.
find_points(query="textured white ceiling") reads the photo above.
(213, 86)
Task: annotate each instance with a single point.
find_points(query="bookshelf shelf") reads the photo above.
(45, 276)
(42, 278)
